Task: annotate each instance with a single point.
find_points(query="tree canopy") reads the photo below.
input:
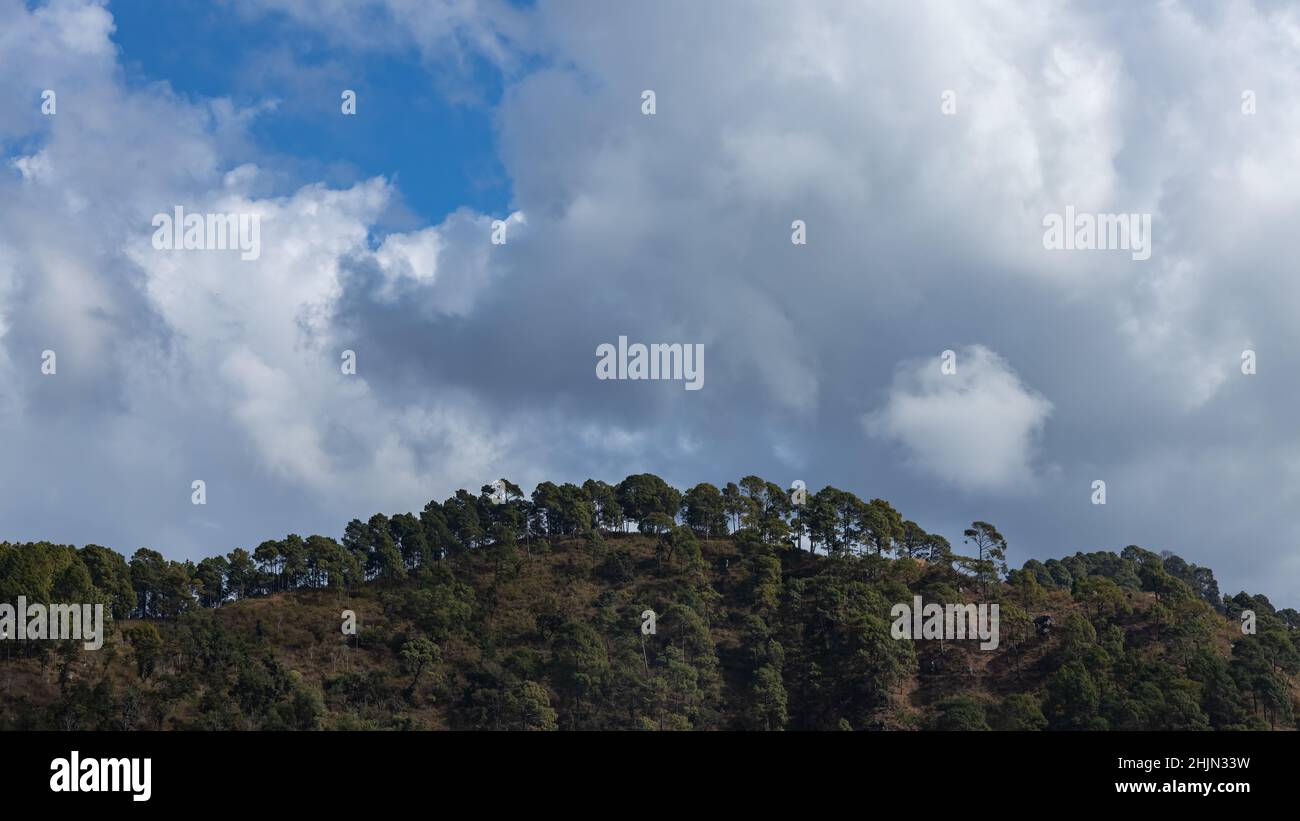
(506, 610)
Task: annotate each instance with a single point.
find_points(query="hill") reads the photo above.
(728, 609)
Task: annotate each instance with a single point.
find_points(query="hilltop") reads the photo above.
(498, 611)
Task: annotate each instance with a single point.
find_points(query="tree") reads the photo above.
(72, 582)
(418, 654)
(408, 535)
(880, 525)
(438, 535)
(577, 513)
(1027, 588)
(768, 701)
(1059, 573)
(937, 550)
(547, 504)
(1019, 712)
(211, 576)
(462, 514)
(110, 573)
(147, 568)
(752, 488)
(841, 662)
(241, 574)
(581, 665)
(528, 707)
(294, 554)
(705, 512)
(147, 643)
(270, 560)
(1078, 637)
(356, 538)
(821, 516)
(643, 494)
(805, 640)
(657, 523)
(959, 713)
(383, 560)
(765, 581)
(734, 504)
(683, 550)
(609, 514)
(777, 510)
(1221, 699)
(330, 564)
(1101, 597)
(851, 514)
(1072, 698)
(992, 552)
(912, 543)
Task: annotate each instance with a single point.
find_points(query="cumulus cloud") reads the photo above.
(975, 428)
(477, 361)
(258, 341)
(446, 267)
(182, 365)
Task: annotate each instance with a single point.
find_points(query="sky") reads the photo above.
(923, 146)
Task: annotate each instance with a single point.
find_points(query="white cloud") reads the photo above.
(258, 344)
(181, 365)
(475, 361)
(975, 428)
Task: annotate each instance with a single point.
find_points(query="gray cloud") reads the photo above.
(924, 233)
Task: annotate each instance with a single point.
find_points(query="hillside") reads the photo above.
(540, 627)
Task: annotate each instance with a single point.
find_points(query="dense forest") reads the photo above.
(502, 611)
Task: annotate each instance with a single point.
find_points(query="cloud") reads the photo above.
(476, 361)
(175, 366)
(975, 428)
(450, 36)
(259, 345)
(446, 267)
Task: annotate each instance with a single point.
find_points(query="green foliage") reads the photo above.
(1018, 712)
(1072, 699)
(147, 644)
(528, 707)
(417, 655)
(524, 612)
(959, 713)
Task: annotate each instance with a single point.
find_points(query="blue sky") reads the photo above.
(442, 153)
